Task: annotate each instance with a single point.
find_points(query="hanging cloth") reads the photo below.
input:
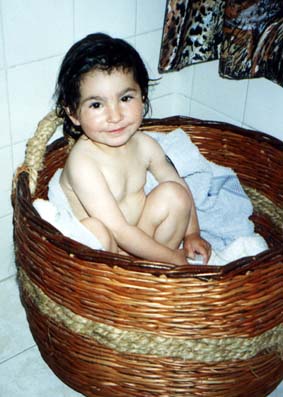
(252, 43)
(192, 33)
(245, 35)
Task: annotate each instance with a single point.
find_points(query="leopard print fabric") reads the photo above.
(192, 33)
(246, 35)
(253, 40)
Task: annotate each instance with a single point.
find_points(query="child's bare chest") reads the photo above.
(125, 179)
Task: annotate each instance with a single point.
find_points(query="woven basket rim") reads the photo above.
(178, 120)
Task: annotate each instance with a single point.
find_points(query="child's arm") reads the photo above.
(92, 190)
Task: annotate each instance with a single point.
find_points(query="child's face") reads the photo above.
(111, 107)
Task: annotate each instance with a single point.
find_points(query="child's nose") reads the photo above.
(114, 114)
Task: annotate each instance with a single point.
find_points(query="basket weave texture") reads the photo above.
(110, 325)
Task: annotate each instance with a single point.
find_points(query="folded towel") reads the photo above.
(223, 208)
(57, 212)
(239, 248)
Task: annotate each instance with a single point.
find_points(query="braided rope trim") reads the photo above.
(265, 206)
(139, 342)
(36, 146)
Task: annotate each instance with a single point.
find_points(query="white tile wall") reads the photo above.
(2, 63)
(170, 105)
(5, 201)
(36, 29)
(201, 111)
(4, 111)
(150, 15)
(264, 107)
(7, 267)
(14, 339)
(31, 87)
(148, 46)
(28, 375)
(34, 35)
(6, 165)
(222, 95)
(111, 17)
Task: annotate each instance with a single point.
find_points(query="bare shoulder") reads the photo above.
(80, 165)
(150, 145)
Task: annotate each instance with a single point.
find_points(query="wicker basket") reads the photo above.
(111, 325)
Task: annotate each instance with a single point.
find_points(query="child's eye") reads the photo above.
(95, 105)
(126, 98)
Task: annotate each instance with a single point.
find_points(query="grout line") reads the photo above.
(32, 61)
(216, 110)
(148, 31)
(192, 89)
(5, 64)
(74, 21)
(245, 104)
(136, 18)
(17, 354)
(14, 275)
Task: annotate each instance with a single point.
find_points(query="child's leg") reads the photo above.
(166, 214)
(102, 233)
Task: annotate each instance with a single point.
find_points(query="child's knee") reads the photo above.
(101, 232)
(176, 195)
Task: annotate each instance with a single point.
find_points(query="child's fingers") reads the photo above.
(206, 252)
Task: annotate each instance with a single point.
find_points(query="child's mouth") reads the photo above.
(117, 130)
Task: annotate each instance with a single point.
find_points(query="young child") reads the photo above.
(102, 95)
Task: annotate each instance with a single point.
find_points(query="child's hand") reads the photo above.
(194, 244)
(180, 257)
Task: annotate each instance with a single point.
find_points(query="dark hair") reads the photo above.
(95, 51)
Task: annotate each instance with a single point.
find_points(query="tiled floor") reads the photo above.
(23, 373)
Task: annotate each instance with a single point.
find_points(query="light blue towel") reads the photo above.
(223, 207)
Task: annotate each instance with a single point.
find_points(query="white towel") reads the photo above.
(223, 208)
(58, 212)
(239, 248)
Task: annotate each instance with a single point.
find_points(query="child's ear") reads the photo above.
(72, 117)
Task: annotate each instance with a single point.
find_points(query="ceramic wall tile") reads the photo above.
(148, 46)
(35, 30)
(7, 267)
(4, 111)
(6, 164)
(223, 95)
(174, 82)
(117, 18)
(264, 107)
(2, 60)
(31, 88)
(14, 330)
(203, 112)
(170, 105)
(5, 200)
(28, 375)
(278, 392)
(150, 15)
